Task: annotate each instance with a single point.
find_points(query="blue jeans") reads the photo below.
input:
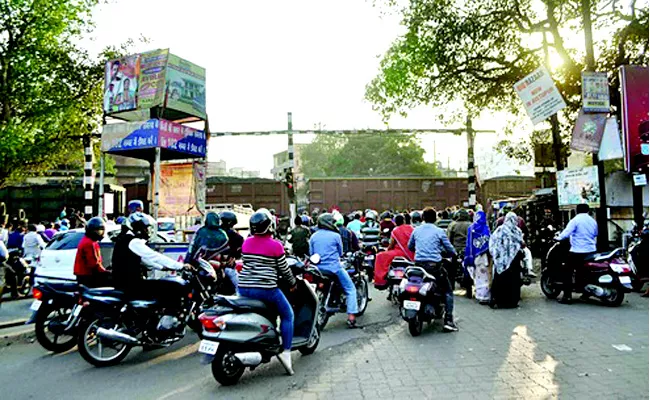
(231, 273)
(276, 298)
(348, 287)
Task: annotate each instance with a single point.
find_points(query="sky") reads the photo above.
(265, 58)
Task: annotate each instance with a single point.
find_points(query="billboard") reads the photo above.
(185, 86)
(578, 186)
(121, 84)
(634, 105)
(540, 96)
(588, 132)
(595, 92)
(177, 190)
(152, 78)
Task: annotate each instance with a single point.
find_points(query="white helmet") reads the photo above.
(372, 215)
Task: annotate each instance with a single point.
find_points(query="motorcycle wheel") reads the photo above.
(47, 315)
(91, 347)
(25, 287)
(323, 316)
(415, 326)
(310, 348)
(615, 299)
(362, 296)
(549, 288)
(226, 369)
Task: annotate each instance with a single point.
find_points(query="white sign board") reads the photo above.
(540, 96)
(595, 92)
(578, 186)
(610, 146)
(640, 180)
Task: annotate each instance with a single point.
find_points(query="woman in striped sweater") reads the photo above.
(264, 265)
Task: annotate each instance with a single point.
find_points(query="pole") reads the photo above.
(88, 176)
(601, 213)
(471, 172)
(555, 125)
(156, 187)
(290, 185)
(100, 189)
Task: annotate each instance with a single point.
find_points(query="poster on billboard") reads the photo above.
(578, 186)
(121, 84)
(177, 190)
(595, 92)
(610, 146)
(200, 176)
(540, 96)
(153, 65)
(588, 131)
(634, 105)
(185, 87)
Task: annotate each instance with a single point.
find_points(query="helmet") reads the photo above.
(371, 215)
(228, 219)
(326, 221)
(65, 222)
(141, 224)
(134, 205)
(338, 218)
(120, 220)
(305, 219)
(95, 228)
(261, 222)
(386, 215)
(416, 217)
(272, 211)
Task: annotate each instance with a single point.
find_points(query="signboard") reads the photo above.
(540, 96)
(185, 86)
(121, 84)
(177, 190)
(588, 132)
(634, 105)
(595, 92)
(152, 78)
(200, 176)
(139, 135)
(578, 186)
(640, 179)
(610, 145)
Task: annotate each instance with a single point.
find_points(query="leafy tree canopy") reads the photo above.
(473, 51)
(364, 155)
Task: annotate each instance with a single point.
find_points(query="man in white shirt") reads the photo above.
(582, 231)
(33, 243)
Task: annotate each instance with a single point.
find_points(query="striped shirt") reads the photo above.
(264, 263)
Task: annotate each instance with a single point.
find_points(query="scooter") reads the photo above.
(606, 276)
(240, 332)
(419, 300)
(395, 275)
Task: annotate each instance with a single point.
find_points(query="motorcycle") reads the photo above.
(331, 297)
(606, 276)
(18, 273)
(419, 300)
(240, 332)
(368, 265)
(637, 255)
(395, 275)
(112, 323)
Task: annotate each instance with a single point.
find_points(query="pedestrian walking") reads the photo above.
(477, 260)
(505, 246)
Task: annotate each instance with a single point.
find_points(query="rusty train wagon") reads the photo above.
(386, 192)
(254, 191)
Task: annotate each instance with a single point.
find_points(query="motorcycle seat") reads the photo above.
(62, 286)
(242, 303)
(602, 256)
(401, 262)
(104, 291)
(329, 275)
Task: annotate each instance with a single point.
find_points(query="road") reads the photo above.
(541, 350)
(15, 310)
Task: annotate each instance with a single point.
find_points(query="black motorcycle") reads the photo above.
(17, 274)
(331, 297)
(395, 275)
(420, 301)
(112, 323)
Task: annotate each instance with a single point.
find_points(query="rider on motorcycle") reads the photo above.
(370, 230)
(327, 243)
(264, 265)
(88, 266)
(416, 219)
(348, 238)
(429, 242)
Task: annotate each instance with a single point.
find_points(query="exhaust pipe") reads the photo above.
(251, 359)
(116, 336)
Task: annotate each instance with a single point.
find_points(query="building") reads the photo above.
(239, 172)
(217, 168)
(281, 162)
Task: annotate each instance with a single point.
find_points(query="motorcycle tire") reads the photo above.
(323, 315)
(85, 329)
(311, 347)
(615, 299)
(226, 369)
(549, 288)
(41, 323)
(25, 287)
(362, 302)
(415, 326)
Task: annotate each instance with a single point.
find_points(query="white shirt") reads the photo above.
(583, 231)
(152, 258)
(33, 243)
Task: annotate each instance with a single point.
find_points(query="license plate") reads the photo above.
(76, 311)
(208, 347)
(412, 305)
(625, 279)
(370, 258)
(36, 305)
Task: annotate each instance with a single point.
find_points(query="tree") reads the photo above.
(50, 89)
(365, 155)
(474, 51)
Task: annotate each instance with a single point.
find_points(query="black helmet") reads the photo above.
(261, 222)
(228, 219)
(386, 215)
(416, 217)
(95, 228)
(326, 221)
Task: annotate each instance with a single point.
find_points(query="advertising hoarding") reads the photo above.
(185, 86)
(121, 78)
(578, 186)
(152, 78)
(588, 132)
(595, 92)
(177, 190)
(540, 96)
(634, 105)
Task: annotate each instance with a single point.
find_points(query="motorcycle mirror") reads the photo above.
(315, 258)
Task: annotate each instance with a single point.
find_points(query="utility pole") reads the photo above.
(89, 176)
(601, 213)
(555, 125)
(471, 172)
(289, 181)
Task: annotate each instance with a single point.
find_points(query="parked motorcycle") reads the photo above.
(637, 255)
(18, 274)
(111, 323)
(240, 332)
(395, 275)
(606, 276)
(419, 299)
(331, 297)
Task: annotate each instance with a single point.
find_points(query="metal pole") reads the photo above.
(555, 125)
(601, 213)
(100, 189)
(471, 171)
(88, 176)
(156, 187)
(290, 185)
